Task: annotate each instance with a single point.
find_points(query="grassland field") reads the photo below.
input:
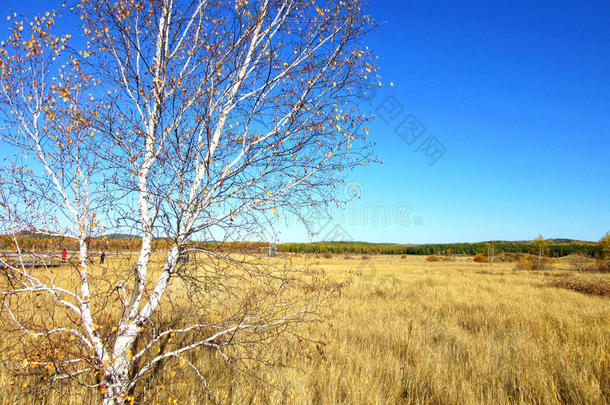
(408, 331)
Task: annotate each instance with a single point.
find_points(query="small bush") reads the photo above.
(365, 257)
(531, 262)
(578, 262)
(403, 256)
(433, 258)
(328, 255)
(523, 264)
(591, 287)
(347, 257)
(539, 265)
(480, 258)
(508, 257)
(598, 267)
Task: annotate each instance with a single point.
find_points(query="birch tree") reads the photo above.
(541, 246)
(183, 121)
(604, 247)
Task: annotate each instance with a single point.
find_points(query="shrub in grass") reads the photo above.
(591, 287)
(523, 264)
(531, 262)
(539, 265)
(508, 257)
(598, 267)
(480, 258)
(433, 258)
(578, 262)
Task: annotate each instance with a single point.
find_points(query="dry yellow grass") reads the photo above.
(410, 331)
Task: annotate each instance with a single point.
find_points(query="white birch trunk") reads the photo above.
(118, 379)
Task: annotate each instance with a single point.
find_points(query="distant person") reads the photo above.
(102, 257)
(64, 254)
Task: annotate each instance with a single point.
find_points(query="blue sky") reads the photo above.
(518, 93)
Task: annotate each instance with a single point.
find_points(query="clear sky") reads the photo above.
(518, 96)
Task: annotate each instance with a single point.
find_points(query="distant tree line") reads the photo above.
(553, 249)
(34, 242)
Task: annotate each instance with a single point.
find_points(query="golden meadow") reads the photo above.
(407, 331)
